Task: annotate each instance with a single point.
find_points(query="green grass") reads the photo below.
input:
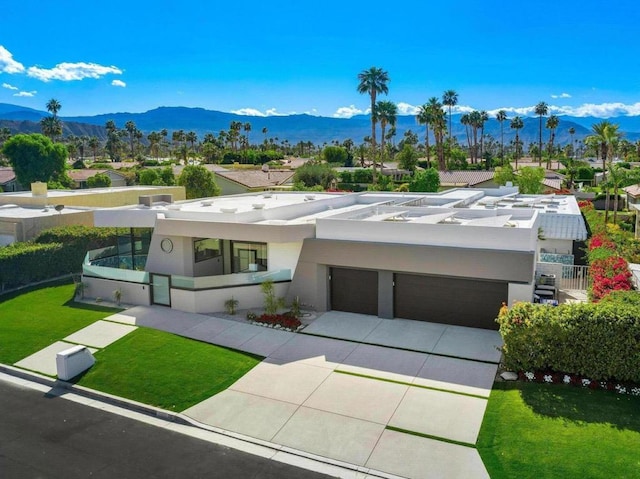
(34, 319)
(556, 431)
(164, 370)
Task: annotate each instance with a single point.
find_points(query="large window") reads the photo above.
(207, 248)
(248, 257)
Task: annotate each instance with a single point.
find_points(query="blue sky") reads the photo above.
(282, 57)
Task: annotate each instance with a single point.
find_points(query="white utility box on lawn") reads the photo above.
(73, 361)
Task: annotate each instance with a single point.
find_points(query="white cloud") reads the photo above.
(255, 112)
(7, 63)
(248, 112)
(9, 87)
(72, 71)
(348, 111)
(406, 108)
(26, 93)
(459, 109)
(561, 95)
(602, 110)
(119, 83)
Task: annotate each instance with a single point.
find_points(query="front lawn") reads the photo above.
(550, 431)
(164, 370)
(32, 320)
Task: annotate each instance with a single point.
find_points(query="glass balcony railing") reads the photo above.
(113, 272)
(226, 280)
(111, 269)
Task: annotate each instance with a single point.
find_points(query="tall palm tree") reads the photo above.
(465, 119)
(450, 99)
(501, 116)
(94, 144)
(484, 117)
(386, 113)
(53, 107)
(517, 124)
(551, 124)
(572, 131)
(541, 109)
(425, 117)
(606, 135)
(192, 137)
(131, 129)
(51, 127)
(373, 82)
(247, 128)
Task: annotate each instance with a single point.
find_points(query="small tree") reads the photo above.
(101, 180)
(425, 181)
(335, 154)
(407, 158)
(504, 174)
(198, 182)
(35, 158)
(529, 180)
(313, 174)
(271, 302)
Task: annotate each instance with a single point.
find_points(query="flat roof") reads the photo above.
(20, 212)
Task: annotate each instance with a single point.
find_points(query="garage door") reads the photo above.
(354, 290)
(462, 302)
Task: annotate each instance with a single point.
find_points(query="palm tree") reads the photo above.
(247, 128)
(386, 113)
(51, 127)
(572, 131)
(192, 137)
(606, 135)
(425, 117)
(373, 81)
(517, 124)
(551, 124)
(53, 107)
(541, 110)
(94, 144)
(465, 119)
(484, 117)
(501, 116)
(131, 129)
(450, 99)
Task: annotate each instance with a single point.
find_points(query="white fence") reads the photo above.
(568, 277)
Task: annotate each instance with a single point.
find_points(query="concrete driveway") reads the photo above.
(386, 398)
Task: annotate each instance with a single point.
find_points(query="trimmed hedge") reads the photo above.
(600, 341)
(55, 252)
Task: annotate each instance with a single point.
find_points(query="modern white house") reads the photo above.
(449, 257)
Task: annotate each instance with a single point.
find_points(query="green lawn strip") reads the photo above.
(410, 384)
(430, 436)
(551, 431)
(165, 370)
(35, 319)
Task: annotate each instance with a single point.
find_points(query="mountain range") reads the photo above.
(293, 128)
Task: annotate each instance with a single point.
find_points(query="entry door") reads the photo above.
(160, 289)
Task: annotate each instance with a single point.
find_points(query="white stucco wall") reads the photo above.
(283, 256)
(520, 292)
(212, 300)
(132, 293)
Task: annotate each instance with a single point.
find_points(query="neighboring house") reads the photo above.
(81, 176)
(40, 196)
(23, 224)
(233, 182)
(450, 257)
(467, 179)
(633, 194)
(8, 181)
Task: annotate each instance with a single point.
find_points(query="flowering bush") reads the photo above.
(579, 381)
(607, 275)
(286, 321)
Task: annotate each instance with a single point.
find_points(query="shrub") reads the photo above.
(596, 340)
(54, 252)
(288, 321)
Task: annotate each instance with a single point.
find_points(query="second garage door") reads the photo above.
(463, 302)
(354, 290)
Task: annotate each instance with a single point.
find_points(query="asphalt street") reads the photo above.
(45, 436)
